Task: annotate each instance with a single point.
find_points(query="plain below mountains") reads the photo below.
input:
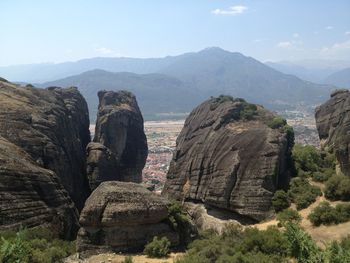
(179, 83)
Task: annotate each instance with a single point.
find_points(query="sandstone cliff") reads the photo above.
(52, 126)
(122, 216)
(31, 195)
(119, 150)
(333, 125)
(231, 155)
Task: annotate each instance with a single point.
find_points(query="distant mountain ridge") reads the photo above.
(312, 70)
(183, 81)
(340, 78)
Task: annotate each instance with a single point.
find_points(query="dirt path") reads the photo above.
(118, 258)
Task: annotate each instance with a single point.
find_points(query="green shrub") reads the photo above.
(320, 176)
(302, 193)
(248, 112)
(311, 162)
(180, 222)
(280, 200)
(128, 259)
(36, 245)
(288, 215)
(301, 246)
(14, 251)
(337, 254)
(159, 247)
(277, 122)
(338, 188)
(215, 102)
(307, 158)
(269, 241)
(238, 245)
(343, 211)
(324, 213)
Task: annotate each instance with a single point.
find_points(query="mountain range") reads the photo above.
(315, 70)
(340, 78)
(174, 85)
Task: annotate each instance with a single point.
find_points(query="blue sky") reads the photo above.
(66, 30)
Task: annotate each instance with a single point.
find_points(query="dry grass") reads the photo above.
(321, 234)
(119, 258)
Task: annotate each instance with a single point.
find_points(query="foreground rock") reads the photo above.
(32, 196)
(333, 125)
(52, 126)
(231, 155)
(122, 150)
(121, 216)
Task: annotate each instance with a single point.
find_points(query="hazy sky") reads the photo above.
(34, 31)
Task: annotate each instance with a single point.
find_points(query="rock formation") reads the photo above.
(102, 164)
(333, 125)
(31, 195)
(122, 147)
(231, 155)
(122, 216)
(52, 126)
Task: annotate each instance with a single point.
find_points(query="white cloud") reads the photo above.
(259, 40)
(231, 11)
(295, 35)
(104, 50)
(328, 28)
(285, 44)
(293, 44)
(337, 50)
(347, 33)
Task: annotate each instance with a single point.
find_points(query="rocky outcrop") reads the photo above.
(52, 126)
(122, 216)
(31, 195)
(102, 164)
(119, 129)
(333, 125)
(231, 155)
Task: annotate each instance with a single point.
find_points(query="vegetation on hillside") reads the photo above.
(36, 245)
(326, 214)
(338, 188)
(158, 247)
(249, 245)
(302, 193)
(280, 200)
(313, 163)
(288, 216)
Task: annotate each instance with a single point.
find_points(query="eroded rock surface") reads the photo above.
(227, 156)
(122, 216)
(31, 195)
(119, 128)
(333, 125)
(52, 126)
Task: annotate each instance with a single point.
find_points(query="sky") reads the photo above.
(41, 31)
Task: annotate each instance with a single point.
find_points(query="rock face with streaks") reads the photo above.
(31, 195)
(119, 150)
(102, 164)
(52, 126)
(333, 125)
(231, 155)
(123, 216)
